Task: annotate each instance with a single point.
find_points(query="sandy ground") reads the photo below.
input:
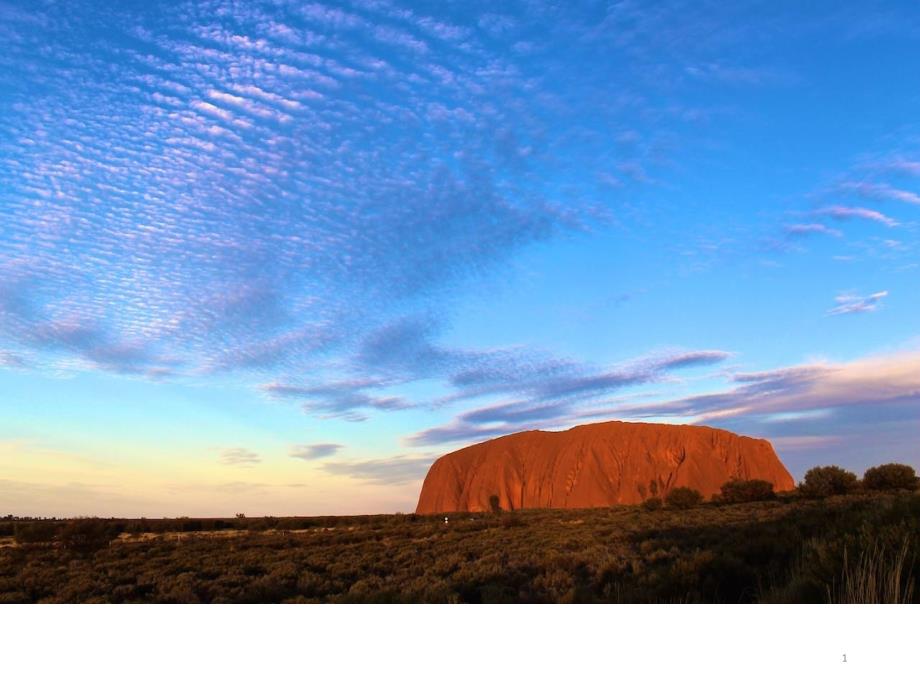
(128, 538)
(221, 534)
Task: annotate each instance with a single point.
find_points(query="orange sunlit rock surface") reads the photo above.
(596, 465)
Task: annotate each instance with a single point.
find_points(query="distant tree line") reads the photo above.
(819, 482)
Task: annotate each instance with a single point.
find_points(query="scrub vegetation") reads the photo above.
(846, 544)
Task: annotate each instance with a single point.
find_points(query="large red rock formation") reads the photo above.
(595, 465)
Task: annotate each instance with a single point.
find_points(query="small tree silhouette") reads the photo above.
(495, 504)
(828, 481)
(652, 503)
(683, 497)
(891, 476)
(745, 490)
(85, 536)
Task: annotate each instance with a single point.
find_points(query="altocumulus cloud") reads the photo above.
(290, 110)
(285, 185)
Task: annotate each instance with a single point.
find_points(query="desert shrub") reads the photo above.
(85, 536)
(683, 497)
(826, 481)
(746, 490)
(890, 476)
(853, 548)
(35, 532)
(652, 503)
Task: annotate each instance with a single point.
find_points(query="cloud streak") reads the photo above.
(345, 399)
(554, 399)
(856, 410)
(401, 469)
(854, 304)
(315, 451)
(882, 191)
(239, 457)
(856, 212)
(799, 230)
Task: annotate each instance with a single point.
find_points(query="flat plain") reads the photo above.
(854, 548)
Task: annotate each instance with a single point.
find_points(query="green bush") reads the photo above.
(40, 532)
(890, 476)
(683, 497)
(746, 490)
(831, 480)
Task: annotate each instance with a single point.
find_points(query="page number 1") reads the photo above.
(844, 658)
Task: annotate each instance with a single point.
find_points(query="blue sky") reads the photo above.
(276, 257)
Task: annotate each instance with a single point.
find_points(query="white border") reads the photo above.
(515, 646)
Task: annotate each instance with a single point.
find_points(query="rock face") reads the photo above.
(596, 465)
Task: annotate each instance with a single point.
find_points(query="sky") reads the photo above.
(277, 257)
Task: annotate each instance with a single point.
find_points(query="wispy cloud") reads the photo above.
(797, 230)
(553, 397)
(906, 166)
(857, 212)
(344, 399)
(718, 72)
(872, 403)
(239, 457)
(315, 451)
(881, 191)
(804, 388)
(849, 303)
(400, 469)
(12, 360)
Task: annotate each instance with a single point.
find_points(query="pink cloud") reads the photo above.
(850, 212)
(882, 191)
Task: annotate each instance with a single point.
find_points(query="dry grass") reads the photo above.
(877, 575)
